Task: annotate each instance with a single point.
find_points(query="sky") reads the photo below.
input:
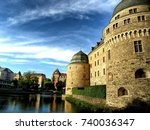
(43, 35)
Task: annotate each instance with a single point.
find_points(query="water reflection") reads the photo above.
(34, 103)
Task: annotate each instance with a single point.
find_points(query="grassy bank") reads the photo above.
(87, 107)
(136, 106)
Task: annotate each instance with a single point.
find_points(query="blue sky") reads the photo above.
(43, 35)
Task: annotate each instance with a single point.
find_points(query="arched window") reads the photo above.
(140, 74)
(122, 91)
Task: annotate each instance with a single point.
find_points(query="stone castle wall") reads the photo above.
(124, 61)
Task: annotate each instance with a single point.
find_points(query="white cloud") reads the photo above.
(35, 52)
(62, 7)
(54, 63)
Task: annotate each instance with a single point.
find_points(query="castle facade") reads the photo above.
(121, 60)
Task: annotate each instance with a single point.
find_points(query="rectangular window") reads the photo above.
(141, 18)
(103, 59)
(131, 11)
(98, 73)
(103, 71)
(95, 74)
(91, 75)
(135, 10)
(95, 63)
(109, 55)
(148, 8)
(138, 46)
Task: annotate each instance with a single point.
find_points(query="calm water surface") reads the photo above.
(35, 103)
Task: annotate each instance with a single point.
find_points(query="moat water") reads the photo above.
(35, 103)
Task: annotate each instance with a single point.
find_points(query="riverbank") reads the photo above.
(136, 106)
(88, 107)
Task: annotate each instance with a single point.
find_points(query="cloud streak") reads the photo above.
(35, 52)
(63, 8)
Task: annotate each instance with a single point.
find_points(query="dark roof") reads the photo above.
(80, 57)
(129, 3)
(6, 69)
(56, 71)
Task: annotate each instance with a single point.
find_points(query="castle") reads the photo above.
(121, 60)
(57, 76)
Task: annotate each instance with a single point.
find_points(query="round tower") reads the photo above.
(127, 43)
(78, 74)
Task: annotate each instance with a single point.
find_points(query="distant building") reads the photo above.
(41, 77)
(57, 76)
(6, 76)
(17, 76)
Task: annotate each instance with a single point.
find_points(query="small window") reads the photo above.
(131, 11)
(141, 18)
(95, 63)
(126, 21)
(138, 46)
(135, 10)
(91, 75)
(98, 73)
(122, 91)
(103, 59)
(109, 55)
(148, 8)
(115, 26)
(140, 74)
(95, 74)
(103, 71)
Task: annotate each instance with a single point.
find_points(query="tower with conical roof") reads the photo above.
(78, 74)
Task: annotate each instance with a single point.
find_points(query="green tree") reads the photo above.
(60, 85)
(28, 81)
(15, 83)
(48, 85)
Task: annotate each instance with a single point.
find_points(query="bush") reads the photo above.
(92, 91)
